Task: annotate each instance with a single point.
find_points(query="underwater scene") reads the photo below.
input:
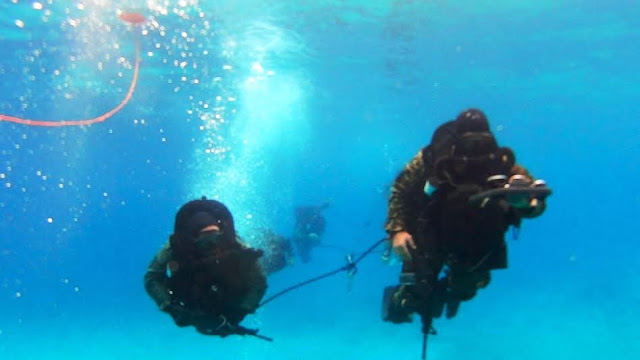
(244, 179)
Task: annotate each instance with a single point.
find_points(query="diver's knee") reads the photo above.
(465, 286)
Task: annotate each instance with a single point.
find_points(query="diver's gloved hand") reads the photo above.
(214, 325)
(181, 316)
(402, 243)
(225, 328)
(525, 206)
(522, 202)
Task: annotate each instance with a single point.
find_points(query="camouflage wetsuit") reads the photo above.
(222, 284)
(468, 239)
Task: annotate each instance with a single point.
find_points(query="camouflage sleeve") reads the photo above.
(257, 285)
(155, 280)
(404, 194)
(531, 212)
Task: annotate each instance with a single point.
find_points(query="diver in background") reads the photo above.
(278, 252)
(309, 227)
(205, 276)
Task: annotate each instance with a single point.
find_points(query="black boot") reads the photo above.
(439, 298)
(394, 305)
(453, 304)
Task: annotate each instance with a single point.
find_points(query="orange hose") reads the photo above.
(98, 119)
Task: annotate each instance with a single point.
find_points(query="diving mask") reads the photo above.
(208, 239)
(474, 144)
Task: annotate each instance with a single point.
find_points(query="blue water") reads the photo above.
(266, 105)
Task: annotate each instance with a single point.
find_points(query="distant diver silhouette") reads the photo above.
(131, 18)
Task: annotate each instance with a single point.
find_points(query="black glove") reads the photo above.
(225, 328)
(179, 313)
(216, 325)
(220, 326)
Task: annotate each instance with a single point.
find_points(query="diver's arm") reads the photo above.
(537, 208)
(257, 288)
(257, 280)
(242, 243)
(404, 192)
(155, 280)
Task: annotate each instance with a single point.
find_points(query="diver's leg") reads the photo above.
(418, 280)
(463, 286)
(303, 247)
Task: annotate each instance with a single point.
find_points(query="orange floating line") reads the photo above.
(132, 18)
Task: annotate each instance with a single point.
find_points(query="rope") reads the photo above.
(350, 267)
(98, 119)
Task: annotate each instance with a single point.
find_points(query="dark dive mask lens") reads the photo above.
(208, 239)
(475, 144)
